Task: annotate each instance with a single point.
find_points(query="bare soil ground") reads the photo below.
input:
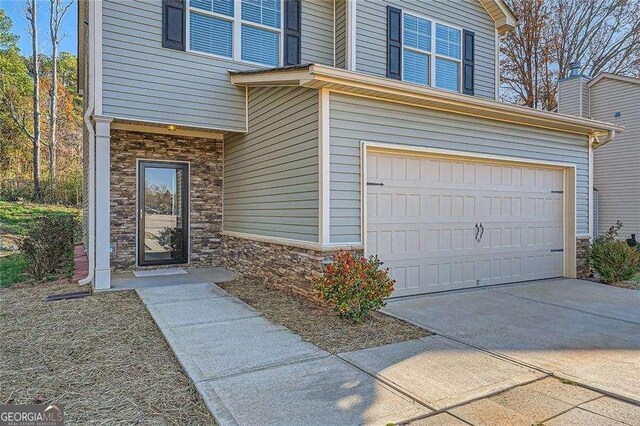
(318, 325)
(101, 357)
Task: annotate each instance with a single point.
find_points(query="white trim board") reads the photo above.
(350, 38)
(307, 245)
(324, 157)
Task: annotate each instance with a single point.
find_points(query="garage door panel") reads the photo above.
(440, 237)
(451, 203)
(424, 221)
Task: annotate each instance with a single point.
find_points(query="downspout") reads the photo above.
(595, 142)
(91, 192)
(91, 145)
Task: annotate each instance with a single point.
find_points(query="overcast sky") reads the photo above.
(15, 10)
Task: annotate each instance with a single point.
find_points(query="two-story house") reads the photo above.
(613, 98)
(265, 135)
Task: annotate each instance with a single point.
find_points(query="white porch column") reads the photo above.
(102, 278)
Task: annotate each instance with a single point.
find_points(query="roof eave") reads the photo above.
(504, 18)
(606, 75)
(320, 76)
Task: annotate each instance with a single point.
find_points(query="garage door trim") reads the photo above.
(569, 204)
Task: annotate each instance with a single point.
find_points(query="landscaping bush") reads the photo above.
(354, 285)
(48, 245)
(614, 260)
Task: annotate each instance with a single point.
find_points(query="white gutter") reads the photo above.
(597, 142)
(338, 80)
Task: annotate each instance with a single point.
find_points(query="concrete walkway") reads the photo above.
(251, 371)
(582, 331)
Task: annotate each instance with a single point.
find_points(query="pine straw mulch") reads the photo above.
(627, 284)
(101, 357)
(319, 325)
(630, 285)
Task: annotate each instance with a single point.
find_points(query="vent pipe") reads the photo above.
(574, 69)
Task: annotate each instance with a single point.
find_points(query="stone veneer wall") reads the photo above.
(287, 268)
(205, 174)
(582, 257)
(292, 268)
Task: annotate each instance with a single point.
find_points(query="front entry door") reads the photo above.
(163, 211)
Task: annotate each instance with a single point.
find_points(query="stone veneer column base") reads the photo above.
(284, 267)
(582, 257)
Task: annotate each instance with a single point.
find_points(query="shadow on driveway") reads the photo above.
(583, 331)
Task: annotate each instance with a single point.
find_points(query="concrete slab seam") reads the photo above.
(516, 361)
(389, 383)
(266, 367)
(497, 355)
(563, 307)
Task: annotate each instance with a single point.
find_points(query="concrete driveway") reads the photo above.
(582, 331)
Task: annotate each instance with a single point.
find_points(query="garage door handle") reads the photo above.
(477, 232)
(481, 232)
(375, 183)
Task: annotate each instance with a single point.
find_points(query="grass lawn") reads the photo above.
(101, 357)
(318, 325)
(15, 220)
(16, 217)
(11, 268)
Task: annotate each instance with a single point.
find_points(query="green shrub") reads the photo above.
(354, 285)
(48, 245)
(613, 260)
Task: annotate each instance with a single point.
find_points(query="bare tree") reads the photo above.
(31, 13)
(603, 35)
(58, 9)
(526, 57)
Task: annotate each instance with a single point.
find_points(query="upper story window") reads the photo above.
(248, 30)
(431, 53)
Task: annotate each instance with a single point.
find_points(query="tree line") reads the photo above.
(599, 35)
(40, 112)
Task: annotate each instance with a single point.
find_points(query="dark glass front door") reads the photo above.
(163, 212)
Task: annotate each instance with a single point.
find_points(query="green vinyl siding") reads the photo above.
(341, 33)
(371, 41)
(144, 82)
(317, 32)
(616, 164)
(271, 173)
(355, 119)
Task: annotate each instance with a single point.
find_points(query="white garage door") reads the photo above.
(442, 224)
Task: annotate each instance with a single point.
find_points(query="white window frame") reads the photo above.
(432, 54)
(237, 22)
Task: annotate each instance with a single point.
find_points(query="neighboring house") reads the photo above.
(616, 178)
(263, 136)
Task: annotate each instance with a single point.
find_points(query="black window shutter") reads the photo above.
(467, 62)
(394, 43)
(292, 31)
(174, 24)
